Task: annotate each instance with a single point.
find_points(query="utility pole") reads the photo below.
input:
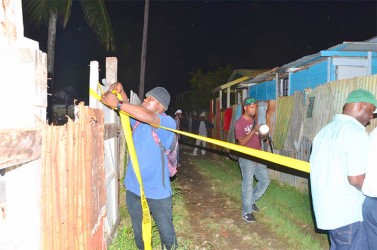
(144, 50)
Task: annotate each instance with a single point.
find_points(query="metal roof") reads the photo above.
(300, 62)
(368, 45)
(239, 75)
(268, 75)
(364, 46)
(229, 84)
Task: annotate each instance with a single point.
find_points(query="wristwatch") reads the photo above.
(119, 104)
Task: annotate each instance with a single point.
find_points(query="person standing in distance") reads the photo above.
(337, 169)
(246, 131)
(155, 176)
(177, 119)
(201, 127)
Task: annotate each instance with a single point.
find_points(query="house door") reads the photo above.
(351, 67)
(344, 72)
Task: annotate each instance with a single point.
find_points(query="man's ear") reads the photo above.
(161, 108)
(361, 105)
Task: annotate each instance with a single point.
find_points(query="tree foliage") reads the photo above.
(51, 12)
(203, 84)
(95, 14)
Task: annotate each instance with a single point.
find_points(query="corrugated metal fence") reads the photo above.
(73, 201)
(298, 118)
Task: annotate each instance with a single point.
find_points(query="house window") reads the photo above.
(283, 87)
(309, 112)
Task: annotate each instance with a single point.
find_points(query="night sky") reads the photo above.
(187, 35)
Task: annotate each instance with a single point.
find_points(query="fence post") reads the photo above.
(114, 155)
(93, 81)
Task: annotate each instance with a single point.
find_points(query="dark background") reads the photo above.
(187, 35)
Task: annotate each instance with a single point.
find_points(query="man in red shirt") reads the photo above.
(246, 130)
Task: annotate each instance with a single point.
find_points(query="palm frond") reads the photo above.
(96, 15)
(38, 11)
(64, 8)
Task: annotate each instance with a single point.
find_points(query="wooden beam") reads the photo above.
(110, 131)
(18, 146)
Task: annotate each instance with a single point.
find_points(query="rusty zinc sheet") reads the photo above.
(231, 134)
(294, 132)
(322, 112)
(262, 108)
(329, 100)
(271, 116)
(217, 123)
(342, 88)
(73, 201)
(284, 113)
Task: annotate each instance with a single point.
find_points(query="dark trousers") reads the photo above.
(161, 210)
(349, 237)
(370, 221)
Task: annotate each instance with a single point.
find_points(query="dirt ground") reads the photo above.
(215, 219)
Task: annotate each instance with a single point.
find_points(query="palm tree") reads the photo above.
(144, 49)
(50, 11)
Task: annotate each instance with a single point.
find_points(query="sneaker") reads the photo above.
(254, 208)
(249, 217)
(190, 153)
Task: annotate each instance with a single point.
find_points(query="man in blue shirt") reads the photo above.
(337, 169)
(154, 174)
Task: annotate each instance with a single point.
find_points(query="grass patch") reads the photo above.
(285, 210)
(124, 237)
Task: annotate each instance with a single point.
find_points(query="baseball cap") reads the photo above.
(248, 100)
(161, 95)
(178, 111)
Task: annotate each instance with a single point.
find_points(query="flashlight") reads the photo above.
(264, 132)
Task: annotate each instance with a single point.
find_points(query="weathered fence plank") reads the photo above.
(18, 146)
(111, 131)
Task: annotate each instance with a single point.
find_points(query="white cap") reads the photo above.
(203, 114)
(178, 111)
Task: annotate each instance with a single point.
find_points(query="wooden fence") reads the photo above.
(52, 178)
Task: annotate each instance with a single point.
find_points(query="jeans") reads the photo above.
(161, 210)
(249, 195)
(350, 237)
(370, 221)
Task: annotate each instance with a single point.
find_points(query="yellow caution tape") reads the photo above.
(271, 157)
(293, 163)
(275, 158)
(146, 221)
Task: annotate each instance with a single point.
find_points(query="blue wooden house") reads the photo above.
(346, 60)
